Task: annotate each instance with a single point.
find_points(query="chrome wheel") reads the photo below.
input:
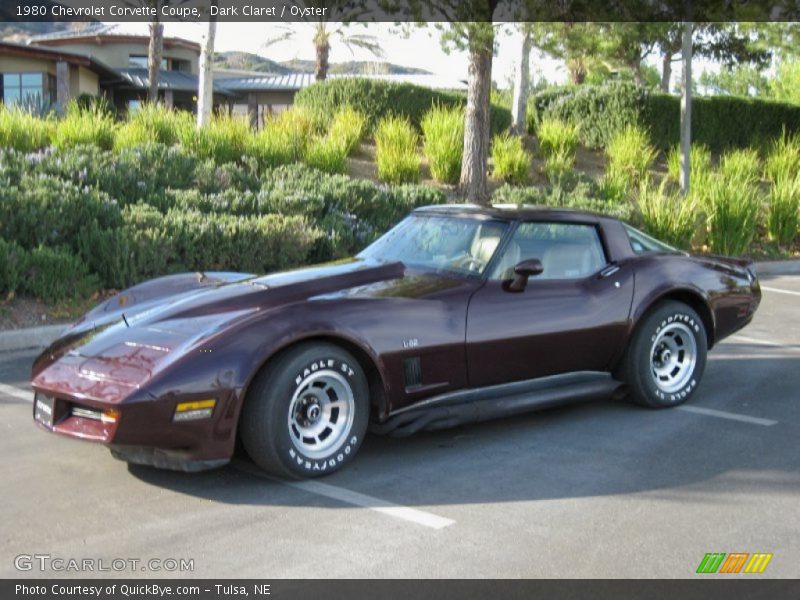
(673, 356)
(321, 413)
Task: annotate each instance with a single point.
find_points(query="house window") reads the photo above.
(24, 88)
(167, 64)
(140, 61)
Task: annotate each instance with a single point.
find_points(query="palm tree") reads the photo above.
(323, 33)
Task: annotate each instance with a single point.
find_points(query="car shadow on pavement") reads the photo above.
(594, 449)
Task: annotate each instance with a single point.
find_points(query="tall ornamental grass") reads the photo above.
(327, 153)
(783, 210)
(667, 215)
(630, 156)
(557, 137)
(510, 160)
(443, 133)
(154, 123)
(741, 167)
(732, 215)
(84, 126)
(783, 159)
(396, 150)
(223, 139)
(283, 139)
(23, 131)
(700, 163)
(347, 129)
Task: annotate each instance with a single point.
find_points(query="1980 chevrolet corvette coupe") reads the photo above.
(457, 314)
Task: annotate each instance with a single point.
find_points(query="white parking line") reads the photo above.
(749, 340)
(780, 291)
(15, 392)
(346, 496)
(721, 414)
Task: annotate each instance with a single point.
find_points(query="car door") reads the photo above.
(571, 317)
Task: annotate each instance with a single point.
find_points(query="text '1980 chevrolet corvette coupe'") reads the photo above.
(457, 314)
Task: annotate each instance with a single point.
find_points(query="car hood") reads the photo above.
(124, 341)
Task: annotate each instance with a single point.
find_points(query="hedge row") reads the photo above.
(142, 212)
(48, 273)
(377, 99)
(718, 122)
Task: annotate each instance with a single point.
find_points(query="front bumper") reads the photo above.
(149, 431)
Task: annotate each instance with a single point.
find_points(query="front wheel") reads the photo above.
(666, 357)
(307, 412)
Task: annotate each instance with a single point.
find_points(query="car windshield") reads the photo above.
(643, 243)
(442, 243)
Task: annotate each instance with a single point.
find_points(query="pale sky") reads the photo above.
(419, 48)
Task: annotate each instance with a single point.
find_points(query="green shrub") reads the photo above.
(396, 150)
(599, 112)
(557, 138)
(740, 167)
(718, 122)
(783, 159)
(378, 99)
(630, 156)
(783, 210)
(510, 160)
(732, 216)
(579, 195)
(23, 131)
(154, 123)
(80, 126)
(223, 139)
(55, 273)
(667, 216)
(48, 211)
(348, 128)
(443, 131)
(12, 266)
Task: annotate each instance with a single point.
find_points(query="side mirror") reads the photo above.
(522, 271)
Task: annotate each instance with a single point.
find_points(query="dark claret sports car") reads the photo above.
(457, 314)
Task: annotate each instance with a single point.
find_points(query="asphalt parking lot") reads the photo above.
(595, 490)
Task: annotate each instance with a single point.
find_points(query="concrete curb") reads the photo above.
(39, 337)
(778, 267)
(33, 337)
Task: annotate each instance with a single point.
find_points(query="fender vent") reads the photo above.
(413, 372)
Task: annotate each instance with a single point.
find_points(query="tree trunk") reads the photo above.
(205, 95)
(638, 76)
(577, 71)
(154, 52)
(520, 103)
(473, 181)
(321, 71)
(666, 72)
(686, 109)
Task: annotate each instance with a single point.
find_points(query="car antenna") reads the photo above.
(126, 320)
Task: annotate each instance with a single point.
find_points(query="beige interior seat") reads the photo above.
(568, 261)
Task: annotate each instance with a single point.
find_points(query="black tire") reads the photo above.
(654, 378)
(274, 439)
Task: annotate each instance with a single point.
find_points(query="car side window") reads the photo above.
(567, 250)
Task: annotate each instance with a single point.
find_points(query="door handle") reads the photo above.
(609, 271)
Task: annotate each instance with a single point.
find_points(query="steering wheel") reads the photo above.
(469, 263)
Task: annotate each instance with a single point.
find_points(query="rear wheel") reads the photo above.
(667, 356)
(307, 412)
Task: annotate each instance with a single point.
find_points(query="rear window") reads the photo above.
(643, 243)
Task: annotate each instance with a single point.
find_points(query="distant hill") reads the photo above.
(355, 67)
(247, 61)
(12, 31)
